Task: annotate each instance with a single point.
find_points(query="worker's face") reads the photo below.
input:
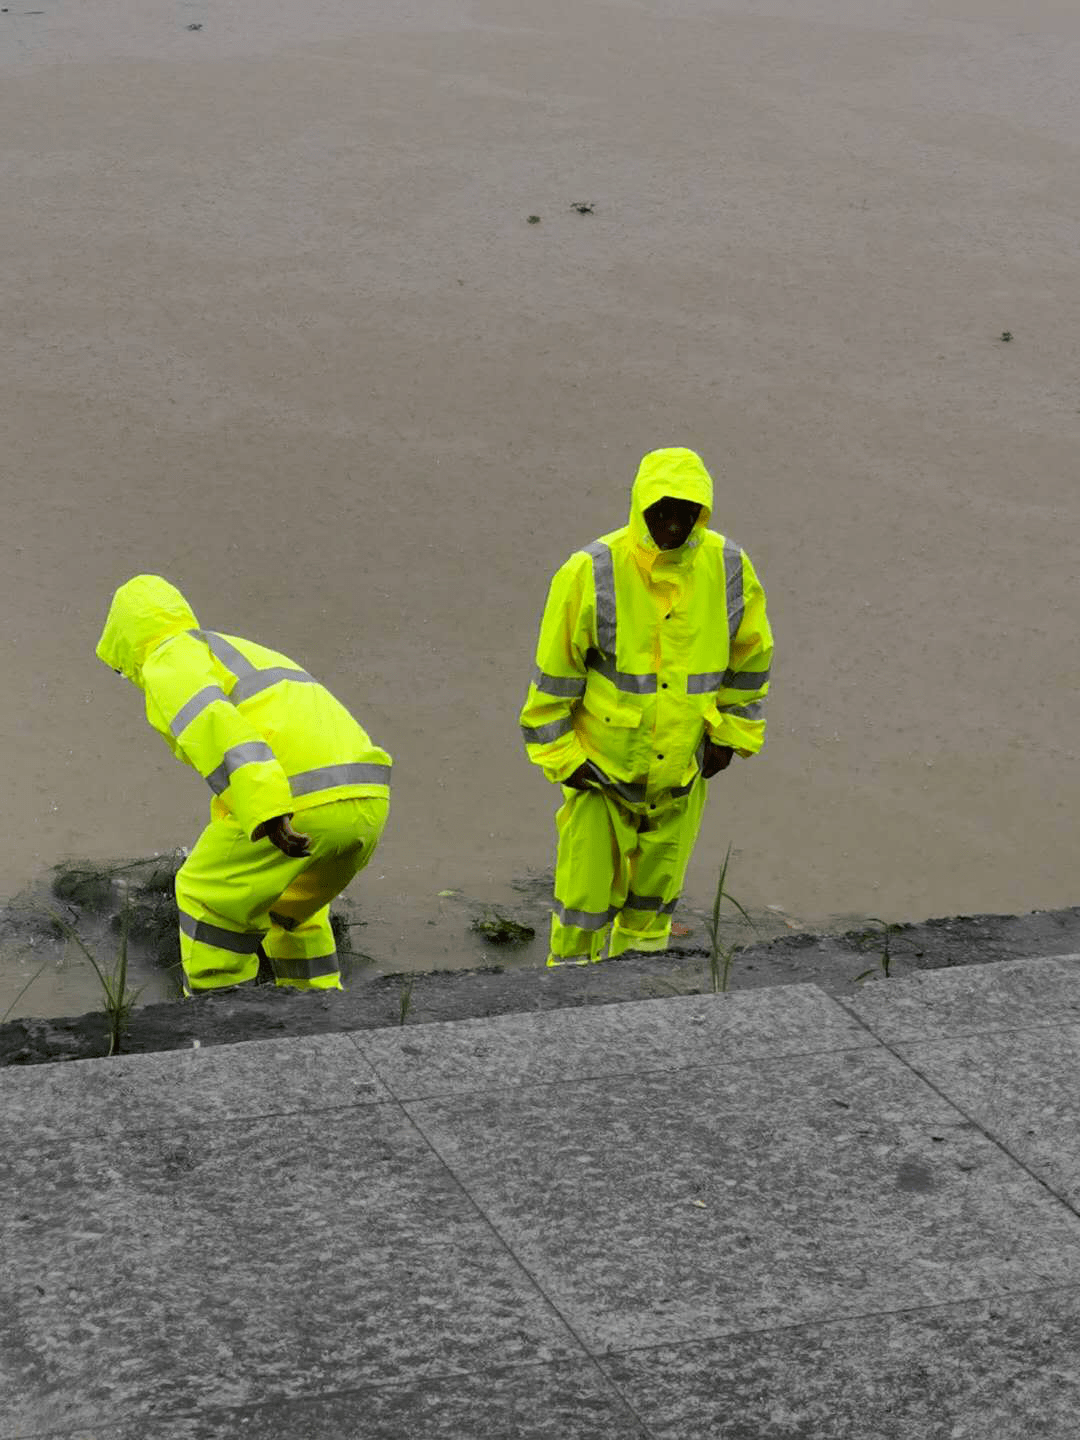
(670, 521)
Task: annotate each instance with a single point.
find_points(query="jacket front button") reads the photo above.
(659, 757)
(663, 684)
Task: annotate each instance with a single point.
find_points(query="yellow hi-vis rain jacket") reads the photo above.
(267, 738)
(645, 653)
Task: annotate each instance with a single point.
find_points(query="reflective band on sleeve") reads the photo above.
(743, 712)
(585, 919)
(630, 684)
(326, 777)
(733, 570)
(702, 684)
(252, 752)
(650, 902)
(745, 679)
(307, 969)
(203, 933)
(227, 653)
(195, 706)
(545, 734)
(604, 586)
(252, 684)
(567, 687)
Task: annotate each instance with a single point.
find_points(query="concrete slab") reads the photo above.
(1004, 1369)
(666, 1208)
(971, 1000)
(131, 1092)
(1023, 1088)
(247, 1262)
(563, 1045)
(570, 1400)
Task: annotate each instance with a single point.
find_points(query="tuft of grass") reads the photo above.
(882, 940)
(721, 956)
(117, 996)
(23, 991)
(406, 999)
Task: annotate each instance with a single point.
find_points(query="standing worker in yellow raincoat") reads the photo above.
(651, 668)
(272, 744)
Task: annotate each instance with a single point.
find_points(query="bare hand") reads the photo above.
(717, 758)
(280, 833)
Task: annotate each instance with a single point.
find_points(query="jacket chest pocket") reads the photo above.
(612, 729)
(610, 712)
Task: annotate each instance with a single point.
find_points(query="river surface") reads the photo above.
(276, 325)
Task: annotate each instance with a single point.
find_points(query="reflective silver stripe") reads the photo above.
(251, 684)
(326, 777)
(565, 686)
(744, 679)
(251, 752)
(702, 684)
(632, 792)
(743, 712)
(195, 706)
(203, 933)
(585, 919)
(545, 734)
(604, 586)
(222, 650)
(622, 680)
(733, 570)
(305, 969)
(650, 902)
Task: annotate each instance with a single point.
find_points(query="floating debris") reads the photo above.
(501, 930)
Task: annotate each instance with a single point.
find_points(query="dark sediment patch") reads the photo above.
(374, 1000)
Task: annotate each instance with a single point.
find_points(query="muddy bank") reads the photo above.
(373, 1000)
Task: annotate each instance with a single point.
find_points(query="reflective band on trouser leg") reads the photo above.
(591, 874)
(657, 870)
(305, 957)
(213, 956)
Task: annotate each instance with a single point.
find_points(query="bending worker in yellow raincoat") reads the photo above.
(651, 668)
(272, 744)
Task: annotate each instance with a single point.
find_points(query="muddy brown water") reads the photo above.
(276, 326)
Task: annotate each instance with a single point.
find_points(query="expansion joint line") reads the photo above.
(605, 1380)
(955, 1105)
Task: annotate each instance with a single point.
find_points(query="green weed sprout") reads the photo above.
(406, 1000)
(118, 998)
(884, 947)
(23, 991)
(721, 956)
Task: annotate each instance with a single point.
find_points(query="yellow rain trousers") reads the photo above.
(269, 740)
(619, 873)
(238, 899)
(643, 655)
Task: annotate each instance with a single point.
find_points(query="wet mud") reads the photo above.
(507, 980)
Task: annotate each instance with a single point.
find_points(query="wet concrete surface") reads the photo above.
(771, 1214)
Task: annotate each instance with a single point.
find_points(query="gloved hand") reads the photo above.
(280, 833)
(580, 779)
(716, 758)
